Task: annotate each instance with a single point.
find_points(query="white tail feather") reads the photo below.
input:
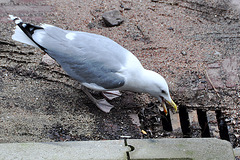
(20, 36)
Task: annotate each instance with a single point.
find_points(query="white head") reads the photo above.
(158, 87)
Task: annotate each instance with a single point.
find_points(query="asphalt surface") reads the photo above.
(193, 44)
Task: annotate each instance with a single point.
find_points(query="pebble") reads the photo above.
(170, 28)
(48, 60)
(217, 53)
(91, 25)
(122, 6)
(125, 8)
(112, 18)
(184, 53)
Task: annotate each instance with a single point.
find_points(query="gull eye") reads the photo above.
(163, 92)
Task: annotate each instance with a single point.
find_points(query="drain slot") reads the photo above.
(166, 122)
(184, 120)
(203, 122)
(222, 125)
(187, 123)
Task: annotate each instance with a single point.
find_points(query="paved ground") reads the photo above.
(193, 44)
(193, 148)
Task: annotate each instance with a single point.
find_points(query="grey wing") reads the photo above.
(88, 58)
(93, 72)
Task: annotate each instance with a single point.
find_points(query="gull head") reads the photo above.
(158, 88)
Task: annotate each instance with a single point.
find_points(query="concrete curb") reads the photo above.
(189, 148)
(237, 151)
(64, 150)
(193, 148)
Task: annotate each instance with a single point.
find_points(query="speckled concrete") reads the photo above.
(186, 149)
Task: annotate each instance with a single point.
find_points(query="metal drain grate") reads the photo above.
(187, 123)
(197, 123)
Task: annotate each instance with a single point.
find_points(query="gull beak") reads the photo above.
(164, 108)
(163, 104)
(173, 105)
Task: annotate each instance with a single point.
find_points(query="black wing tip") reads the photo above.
(27, 28)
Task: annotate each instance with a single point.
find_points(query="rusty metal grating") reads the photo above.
(190, 123)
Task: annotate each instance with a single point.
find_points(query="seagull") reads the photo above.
(97, 62)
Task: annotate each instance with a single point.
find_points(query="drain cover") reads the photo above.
(187, 123)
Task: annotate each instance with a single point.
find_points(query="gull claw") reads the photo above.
(104, 105)
(100, 103)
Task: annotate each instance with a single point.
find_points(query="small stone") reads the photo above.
(155, 0)
(184, 53)
(170, 28)
(122, 6)
(127, 8)
(217, 53)
(135, 119)
(48, 60)
(91, 25)
(112, 18)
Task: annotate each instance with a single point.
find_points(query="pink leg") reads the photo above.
(111, 94)
(101, 103)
